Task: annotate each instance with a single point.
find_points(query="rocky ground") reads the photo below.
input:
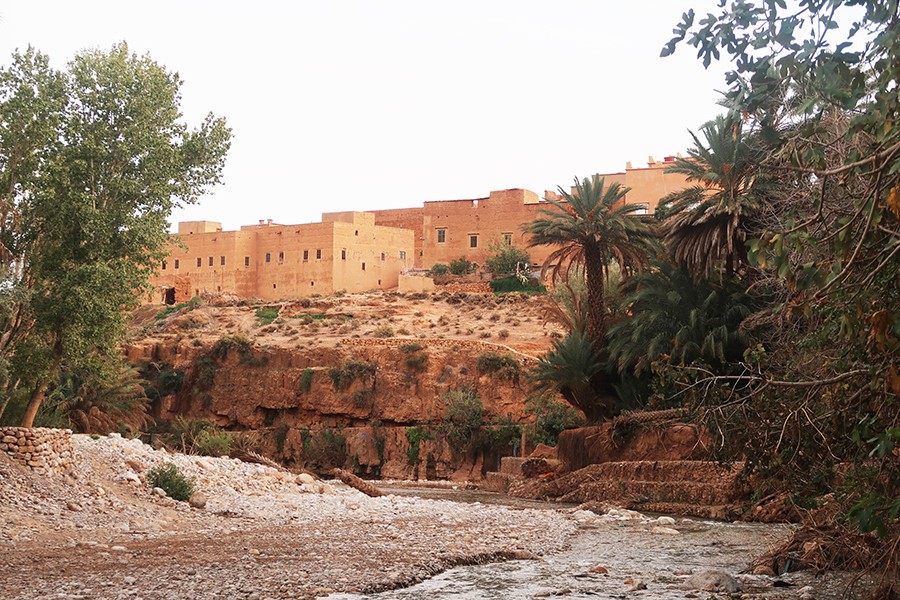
(263, 533)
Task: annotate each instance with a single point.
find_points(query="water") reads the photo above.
(630, 551)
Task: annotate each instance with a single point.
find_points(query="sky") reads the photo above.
(360, 105)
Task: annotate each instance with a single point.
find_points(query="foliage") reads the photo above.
(417, 362)
(507, 285)
(439, 270)
(306, 379)
(99, 396)
(551, 418)
(465, 417)
(266, 314)
(503, 432)
(350, 370)
(361, 398)
(411, 347)
(165, 382)
(505, 366)
(213, 442)
(199, 436)
(706, 225)
(818, 83)
(92, 162)
(383, 331)
(240, 344)
(462, 266)
(326, 449)
(592, 227)
(574, 368)
(170, 478)
(677, 320)
(415, 436)
(505, 259)
(169, 310)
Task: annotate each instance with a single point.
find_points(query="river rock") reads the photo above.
(197, 500)
(713, 580)
(664, 531)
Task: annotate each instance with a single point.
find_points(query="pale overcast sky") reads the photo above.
(356, 105)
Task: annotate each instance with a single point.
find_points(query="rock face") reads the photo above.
(370, 391)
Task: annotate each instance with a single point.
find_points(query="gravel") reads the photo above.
(263, 533)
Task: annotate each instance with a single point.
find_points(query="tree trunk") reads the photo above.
(593, 274)
(34, 403)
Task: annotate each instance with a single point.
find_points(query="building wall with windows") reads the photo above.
(346, 251)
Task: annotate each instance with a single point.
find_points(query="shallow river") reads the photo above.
(633, 555)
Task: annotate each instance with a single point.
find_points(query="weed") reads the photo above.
(417, 362)
(415, 436)
(351, 370)
(170, 478)
(361, 398)
(383, 331)
(504, 365)
(267, 314)
(503, 334)
(325, 450)
(306, 379)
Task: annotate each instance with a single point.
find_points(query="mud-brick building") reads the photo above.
(448, 229)
(346, 251)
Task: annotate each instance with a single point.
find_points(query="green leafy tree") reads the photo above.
(504, 258)
(592, 227)
(89, 186)
(708, 223)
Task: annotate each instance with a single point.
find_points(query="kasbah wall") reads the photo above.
(356, 251)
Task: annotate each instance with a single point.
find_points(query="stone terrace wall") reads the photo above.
(40, 449)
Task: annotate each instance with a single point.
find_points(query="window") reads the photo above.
(281, 257)
(177, 263)
(305, 255)
(383, 256)
(210, 261)
(356, 232)
(318, 254)
(507, 239)
(268, 257)
(364, 266)
(164, 265)
(642, 209)
(199, 262)
(442, 236)
(312, 284)
(402, 255)
(343, 254)
(274, 286)
(473, 240)
(222, 260)
(246, 261)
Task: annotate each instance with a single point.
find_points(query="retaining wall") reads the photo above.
(40, 449)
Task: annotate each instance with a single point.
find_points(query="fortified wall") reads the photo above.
(360, 251)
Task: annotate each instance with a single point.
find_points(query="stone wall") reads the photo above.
(40, 449)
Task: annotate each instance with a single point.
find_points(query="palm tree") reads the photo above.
(592, 227)
(680, 320)
(706, 224)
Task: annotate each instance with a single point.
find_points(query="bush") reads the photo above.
(411, 347)
(170, 478)
(383, 331)
(552, 418)
(415, 436)
(325, 450)
(361, 398)
(351, 370)
(504, 366)
(213, 442)
(507, 285)
(465, 416)
(306, 379)
(462, 266)
(504, 258)
(417, 362)
(439, 270)
(267, 314)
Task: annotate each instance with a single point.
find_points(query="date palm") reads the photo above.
(707, 224)
(592, 227)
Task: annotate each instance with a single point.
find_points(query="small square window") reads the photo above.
(442, 236)
(210, 261)
(305, 255)
(268, 257)
(199, 262)
(281, 257)
(383, 256)
(642, 209)
(222, 260)
(473, 240)
(246, 261)
(177, 263)
(343, 254)
(507, 239)
(318, 254)
(164, 265)
(402, 255)
(364, 266)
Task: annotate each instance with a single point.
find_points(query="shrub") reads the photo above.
(169, 310)
(325, 450)
(383, 331)
(508, 285)
(361, 398)
(504, 258)
(306, 379)
(170, 478)
(552, 417)
(411, 347)
(503, 334)
(267, 314)
(439, 270)
(462, 266)
(415, 436)
(351, 370)
(465, 416)
(504, 366)
(417, 362)
(213, 442)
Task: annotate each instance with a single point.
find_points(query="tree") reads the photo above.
(504, 258)
(707, 224)
(90, 184)
(592, 227)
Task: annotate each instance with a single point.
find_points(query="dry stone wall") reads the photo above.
(40, 449)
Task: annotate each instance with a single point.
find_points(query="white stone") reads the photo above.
(665, 531)
(305, 478)
(666, 521)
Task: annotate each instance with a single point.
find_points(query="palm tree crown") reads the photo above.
(707, 223)
(592, 226)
